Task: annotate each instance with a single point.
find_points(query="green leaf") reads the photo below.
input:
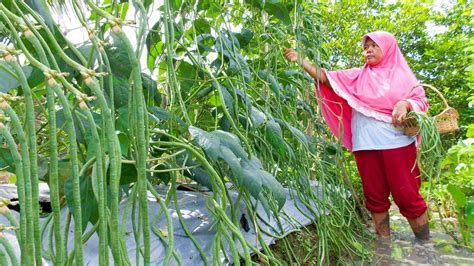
(244, 37)
(245, 98)
(470, 208)
(42, 9)
(470, 131)
(165, 177)
(255, 178)
(205, 140)
(124, 143)
(151, 93)
(88, 200)
(225, 124)
(299, 134)
(186, 75)
(205, 41)
(204, 4)
(228, 100)
(118, 58)
(43, 167)
(154, 44)
(201, 176)
(36, 78)
(229, 46)
(175, 4)
(470, 220)
(457, 195)
(202, 25)
(88, 51)
(257, 117)
(248, 175)
(121, 88)
(397, 252)
(274, 8)
(203, 92)
(280, 11)
(61, 123)
(274, 85)
(128, 174)
(121, 123)
(470, 214)
(91, 145)
(12, 179)
(123, 7)
(64, 171)
(275, 137)
(233, 162)
(6, 160)
(147, 3)
(232, 142)
(8, 76)
(158, 113)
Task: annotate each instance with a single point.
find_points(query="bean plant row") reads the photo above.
(214, 106)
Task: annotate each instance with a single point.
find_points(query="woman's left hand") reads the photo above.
(399, 112)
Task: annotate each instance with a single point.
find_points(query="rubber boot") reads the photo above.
(420, 226)
(381, 223)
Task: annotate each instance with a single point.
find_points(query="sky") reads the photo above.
(77, 34)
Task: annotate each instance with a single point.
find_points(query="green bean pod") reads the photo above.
(23, 182)
(11, 254)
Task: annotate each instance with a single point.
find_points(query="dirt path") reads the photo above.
(403, 249)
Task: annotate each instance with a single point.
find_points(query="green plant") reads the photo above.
(221, 105)
(464, 215)
(458, 175)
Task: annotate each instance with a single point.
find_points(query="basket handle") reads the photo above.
(437, 91)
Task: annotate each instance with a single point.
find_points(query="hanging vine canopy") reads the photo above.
(201, 97)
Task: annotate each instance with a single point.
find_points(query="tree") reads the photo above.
(436, 40)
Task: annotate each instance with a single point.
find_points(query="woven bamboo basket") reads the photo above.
(447, 120)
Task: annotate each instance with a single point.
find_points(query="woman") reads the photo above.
(364, 108)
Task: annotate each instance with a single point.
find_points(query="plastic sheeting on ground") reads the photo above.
(199, 221)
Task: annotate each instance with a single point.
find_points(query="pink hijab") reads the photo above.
(371, 90)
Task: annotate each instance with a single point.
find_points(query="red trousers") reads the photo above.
(391, 171)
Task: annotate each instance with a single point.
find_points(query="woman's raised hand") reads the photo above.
(315, 73)
(290, 54)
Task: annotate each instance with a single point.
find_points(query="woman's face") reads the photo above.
(372, 52)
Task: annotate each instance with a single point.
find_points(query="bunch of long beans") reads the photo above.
(430, 150)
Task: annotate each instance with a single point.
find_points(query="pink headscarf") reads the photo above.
(371, 90)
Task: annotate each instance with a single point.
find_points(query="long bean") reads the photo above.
(11, 254)
(23, 183)
(102, 186)
(73, 151)
(141, 151)
(174, 91)
(100, 175)
(11, 219)
(188, 232)
(33, 152)
(169, 221)
(53, 153)
(3, 257)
